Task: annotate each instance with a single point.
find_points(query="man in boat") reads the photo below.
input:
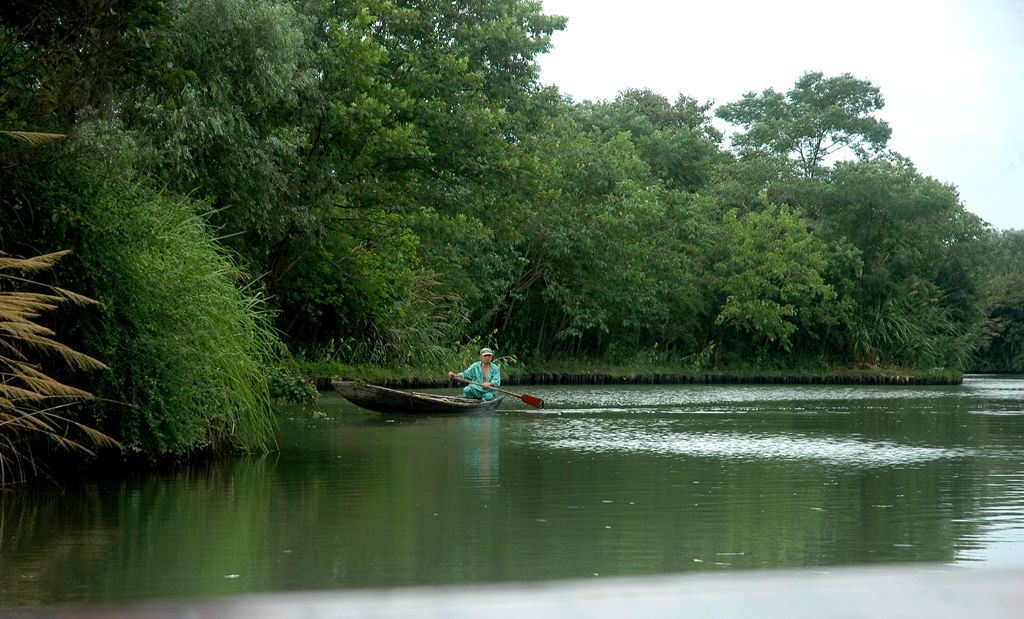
(484, 372)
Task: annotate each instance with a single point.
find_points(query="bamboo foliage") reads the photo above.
(32, 403)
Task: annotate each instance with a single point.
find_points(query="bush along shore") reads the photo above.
(323, 383)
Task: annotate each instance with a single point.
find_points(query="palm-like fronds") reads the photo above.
(31, 401)
(911, 331)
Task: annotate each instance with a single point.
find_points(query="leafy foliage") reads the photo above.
(63, 58)
(285, 386)
(231, 126)
(815, 119)
(1002, 330)
(771, 276)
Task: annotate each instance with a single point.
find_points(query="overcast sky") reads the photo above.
(951, 71)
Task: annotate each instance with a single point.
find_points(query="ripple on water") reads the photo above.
(633, 396)
(998, 413)
(596, 436)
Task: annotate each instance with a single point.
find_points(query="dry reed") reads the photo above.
(32, 403)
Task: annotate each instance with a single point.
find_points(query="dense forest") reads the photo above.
(196, 192)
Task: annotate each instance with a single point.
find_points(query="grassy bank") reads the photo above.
(578, 372)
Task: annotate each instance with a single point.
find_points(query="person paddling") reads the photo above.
(485, 372)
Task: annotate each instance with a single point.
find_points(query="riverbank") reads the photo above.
(414, 379)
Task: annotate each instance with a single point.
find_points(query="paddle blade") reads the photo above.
(532, 400)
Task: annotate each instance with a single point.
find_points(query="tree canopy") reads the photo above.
(813, 120)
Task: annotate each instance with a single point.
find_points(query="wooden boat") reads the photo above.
(384, 400)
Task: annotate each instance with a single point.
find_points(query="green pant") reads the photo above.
(478, 392)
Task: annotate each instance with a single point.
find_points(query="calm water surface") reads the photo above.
(606, 481)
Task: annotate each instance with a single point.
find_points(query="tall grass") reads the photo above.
(913, 331)
(188, 345)
(34, 405)
(421, 325)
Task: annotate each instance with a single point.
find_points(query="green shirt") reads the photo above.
(476, 373)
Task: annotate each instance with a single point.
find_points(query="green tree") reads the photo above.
(905, 224)
(187, 347)
(589, 256)
(63, 59)
(685, 112)
(768, 278)
(1001, 346)
(422, 115)
(677, 140)
(816, 118)
(232, 127)
(923, 260)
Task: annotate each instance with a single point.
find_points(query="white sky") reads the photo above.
(951, 71)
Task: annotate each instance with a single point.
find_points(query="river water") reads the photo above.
(605, 481)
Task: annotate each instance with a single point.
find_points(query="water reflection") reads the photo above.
(481, 451)
(613, 481)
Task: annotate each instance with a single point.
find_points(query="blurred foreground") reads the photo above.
(934, 591)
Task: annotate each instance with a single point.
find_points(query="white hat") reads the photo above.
(486, 351)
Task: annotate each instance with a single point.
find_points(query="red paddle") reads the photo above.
(532, 400)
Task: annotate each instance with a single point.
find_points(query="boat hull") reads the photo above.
(385, 400)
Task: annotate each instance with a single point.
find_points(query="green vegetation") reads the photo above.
(1002, 330)
(189, 348)
(373, 184)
